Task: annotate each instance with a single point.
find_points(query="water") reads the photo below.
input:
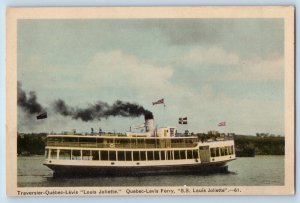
(257, 171)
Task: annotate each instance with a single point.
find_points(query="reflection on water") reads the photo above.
(257, 171)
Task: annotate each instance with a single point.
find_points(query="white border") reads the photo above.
(5, 3)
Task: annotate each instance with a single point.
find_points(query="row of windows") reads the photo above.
(122, 155)
(221, 151)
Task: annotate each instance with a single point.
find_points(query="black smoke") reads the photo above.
(28, 102)
(101, 110)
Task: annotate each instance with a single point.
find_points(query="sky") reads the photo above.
(209, 70)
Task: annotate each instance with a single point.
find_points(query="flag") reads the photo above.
(42, 116)
(161, 101)
(223, 123)
(182, 120)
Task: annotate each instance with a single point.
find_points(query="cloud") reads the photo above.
(210, 55)
(190, 32)
(116, 69)
(118, 75)
(250, 37)
(258, 70)
(232, 67)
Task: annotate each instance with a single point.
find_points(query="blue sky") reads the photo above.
(210, 70)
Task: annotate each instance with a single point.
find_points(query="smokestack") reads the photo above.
(148, 115)
(149, 123)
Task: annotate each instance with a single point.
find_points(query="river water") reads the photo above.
(244, 171)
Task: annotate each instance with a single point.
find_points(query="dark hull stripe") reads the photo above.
(203, 168)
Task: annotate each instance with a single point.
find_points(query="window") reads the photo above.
(217, 151)
(227, 151)
(150, 142)
(213, 152)
(109, 141)
(222, 151)
(112, 156)
(195, 154)
(65, 154)
(104, 155)
(128, 156)
(84, 139)
(86, 155)
(95, 155)
(162, 155)
(232, 151)
(136, 156)
(46, 153)
(76, 154)
(176, 155)
(133, 142)
(172, 130)
(121, 156)
(99, 140)
(175, 141)
(150, 155)
(70, 139)
(143, 156)
(124, 141)
(189, 154)
(169, 155)
(182, 154)
(86, 152)
(53, 153)
(156, 155)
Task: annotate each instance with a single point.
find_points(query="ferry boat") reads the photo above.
(156, 151)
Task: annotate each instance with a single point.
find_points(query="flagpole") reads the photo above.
(187, 126)
(223, 125)
(161, 101)
(164, 117)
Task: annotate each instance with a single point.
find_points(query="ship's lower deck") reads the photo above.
(89, 170)
(204, 157)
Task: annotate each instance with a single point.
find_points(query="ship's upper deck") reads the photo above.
(126, 142)
(120, 141)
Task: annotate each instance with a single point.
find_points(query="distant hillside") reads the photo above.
(263, 145)
(31, 144)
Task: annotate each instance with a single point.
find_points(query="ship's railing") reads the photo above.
(116, 145)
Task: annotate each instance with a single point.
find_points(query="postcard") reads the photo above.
(150, 101)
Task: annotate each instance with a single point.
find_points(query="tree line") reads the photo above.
(263, 145)
(31, 144)
(34, 143)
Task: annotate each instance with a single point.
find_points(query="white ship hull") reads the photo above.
(91, 170)
(119, 168)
